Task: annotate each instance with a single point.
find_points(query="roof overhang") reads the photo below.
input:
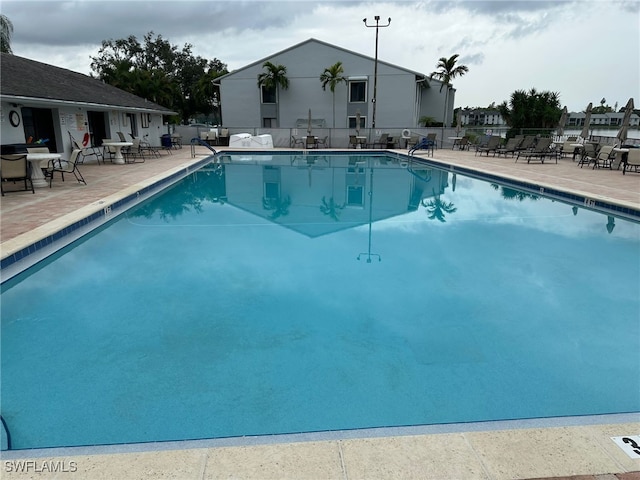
(99, 106)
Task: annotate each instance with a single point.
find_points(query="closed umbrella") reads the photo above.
(309, 123)
(622, 133)
(358, 117)
(587, 120)
(459, 125)
(562, 122)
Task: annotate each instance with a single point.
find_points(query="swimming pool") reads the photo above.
(311, 293)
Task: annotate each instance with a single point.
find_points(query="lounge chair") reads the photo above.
(539, 151)
(528, 142)
(65, 166)
(633, 160)
(493, 143)
(15, 168)
(589, 153)
(511, 147)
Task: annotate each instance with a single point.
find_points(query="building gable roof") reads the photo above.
(22, 78)
(328, 45)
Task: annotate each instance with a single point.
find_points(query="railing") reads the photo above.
(339, 137)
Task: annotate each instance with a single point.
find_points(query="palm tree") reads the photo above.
(273, 78)
(6, 31)
(332, 76)
(447, 71)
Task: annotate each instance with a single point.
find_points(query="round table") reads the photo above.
(37, 177)
(118, 146)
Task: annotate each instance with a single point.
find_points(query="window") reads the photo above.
(352, 122)
(268, 122)
(358, 91)
(268, 95)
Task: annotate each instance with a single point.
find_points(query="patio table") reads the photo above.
(36, 159)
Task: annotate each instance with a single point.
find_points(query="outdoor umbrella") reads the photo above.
(561, 122)
(358, 116)
(309, 123)
(622, 133)
(459, 125)
(587, 120)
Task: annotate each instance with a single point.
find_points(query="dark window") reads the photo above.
(358, 91)
(268, 95)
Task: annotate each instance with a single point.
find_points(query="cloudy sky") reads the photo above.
(585, 50)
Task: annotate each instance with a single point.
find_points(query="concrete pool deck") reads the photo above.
(492, 451)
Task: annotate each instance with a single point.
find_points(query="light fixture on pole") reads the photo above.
(375, 68)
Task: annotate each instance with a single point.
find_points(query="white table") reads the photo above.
(619, 154)
(118, 146)
(360, 141)
(37, 177)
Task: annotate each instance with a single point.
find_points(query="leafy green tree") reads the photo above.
(273, 79)
(333, 76)
(160, 72)
(532, 109)
(447, 71)
(6, 32)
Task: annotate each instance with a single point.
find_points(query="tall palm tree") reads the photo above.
(274, 78)
(332, 76)
(6, 32)
(447, 71)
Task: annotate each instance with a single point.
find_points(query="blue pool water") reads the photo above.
(323, 293)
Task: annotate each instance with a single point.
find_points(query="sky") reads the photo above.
(582, 49)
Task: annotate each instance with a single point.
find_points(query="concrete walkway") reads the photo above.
(479, 452)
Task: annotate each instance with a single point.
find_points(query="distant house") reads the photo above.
(402, 95)
(481, 116)
(42, 102)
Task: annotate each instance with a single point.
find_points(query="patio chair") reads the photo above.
(604, 157)
(65, 166)
(528, 142)
(323, 142)
(87, 151)
(134, 153)
(412, 141)
(353, 141)
(296, 141)
(539, 151)
(381, 142)
(15, 168)
(589, 153)
(433, 138)
(633, 160)
(461, 143)
(493, 143)
(121, 136)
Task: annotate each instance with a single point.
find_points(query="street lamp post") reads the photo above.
(375, 68)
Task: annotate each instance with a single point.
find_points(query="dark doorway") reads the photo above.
(97, 127)
(38, 125)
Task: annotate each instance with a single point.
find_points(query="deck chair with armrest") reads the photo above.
(528, 142)
(134, 153)
(539, 152)
(322, 142)
(353, 141)
(493, 143)
(604, 158)
(588, 154)
(296, 141)
(87, 151)
(65, 166)
(632, 161)
(510, 147)
(381, 142)
(433, 138)
(15, 168)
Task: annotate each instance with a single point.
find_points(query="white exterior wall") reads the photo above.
(397, 102)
